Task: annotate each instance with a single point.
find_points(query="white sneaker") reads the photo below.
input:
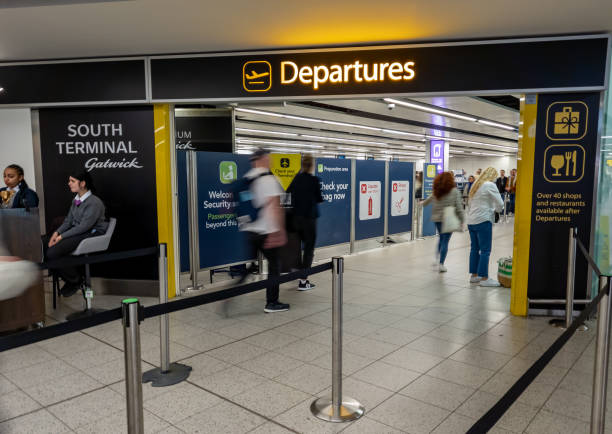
(475, 279)
(442, 268)
(489, 283)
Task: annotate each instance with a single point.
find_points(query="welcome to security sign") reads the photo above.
(452, 67)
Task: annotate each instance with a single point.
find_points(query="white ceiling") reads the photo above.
(69, 28)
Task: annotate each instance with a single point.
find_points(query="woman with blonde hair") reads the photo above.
(484, 201)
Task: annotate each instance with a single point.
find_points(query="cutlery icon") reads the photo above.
(574, 161)
(568, 157)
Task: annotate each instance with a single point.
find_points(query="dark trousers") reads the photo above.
(511, 197)
(63, 249)
(306, 229)
(272, 255)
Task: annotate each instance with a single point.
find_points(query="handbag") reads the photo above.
(496, 217)
(450, 221)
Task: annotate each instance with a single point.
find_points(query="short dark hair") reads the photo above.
(307, 163)
(83, 176)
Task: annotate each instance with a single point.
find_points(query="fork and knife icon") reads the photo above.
(560, 160)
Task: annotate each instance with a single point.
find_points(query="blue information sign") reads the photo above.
(370, 184)
(401, 184)
(429, 173)
(333, 225)
(220, 241)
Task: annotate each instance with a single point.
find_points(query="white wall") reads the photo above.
(16, 142)
(470, 164)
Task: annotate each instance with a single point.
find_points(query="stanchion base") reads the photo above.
(560, 323)
(349, 410)
(83, 314)
(177, 373)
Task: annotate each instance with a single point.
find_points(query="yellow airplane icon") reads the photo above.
(255, 75)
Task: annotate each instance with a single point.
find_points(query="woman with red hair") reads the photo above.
(445, 194)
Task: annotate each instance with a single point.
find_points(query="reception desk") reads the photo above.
(21, 237)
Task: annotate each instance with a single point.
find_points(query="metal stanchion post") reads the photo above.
(602, 349)
(569, 291)
(419, 221)
(168, 373)
(131, 341)
(260, 262)
(336, 408)
(506, 207)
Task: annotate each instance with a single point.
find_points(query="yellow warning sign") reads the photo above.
(285, 167)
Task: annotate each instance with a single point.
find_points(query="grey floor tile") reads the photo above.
(229, 382)
(394, 336)
(385, 375)
(360, 327)
(271, 365)
(453, 334)
(307, 378)
(70, 344)
(117, 423)
(301, 329)
(98, 356)
(570, 404)
(412, 359)
(461, 373)
(300, 418)
(240, 330)
(438, 392)
(203, 365)
(271, 340)
(547, 422)
(270, 398)
(88, 408)
(5, 385)
(367, 394)
(37, 374)
(15, 404)
(535, 395)
(350, 362)
(23, 357)
(224, 417)
(271, 428)
(407, 414)
(435, 346)
(181, 403)
(515, 419)
(416, 326)
(304, 350)
(365, 425)
(454, 424)
(370, 348)
(381, 318)
(481, 358)
(113, 371)
(204, 341)
(237, 352)
(60, 389)
(38, 422)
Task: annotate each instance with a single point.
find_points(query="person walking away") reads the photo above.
(511, 189)
(17, 193)
(86, 218)
(484, 202)
(466, 189)
(266, 232)
(445, 194)
(305, 191)
(501, 183)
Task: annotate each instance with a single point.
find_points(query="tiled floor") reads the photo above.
(424, 352)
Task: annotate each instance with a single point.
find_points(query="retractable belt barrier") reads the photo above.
(33, 336)
(73, 261)
(495, 413)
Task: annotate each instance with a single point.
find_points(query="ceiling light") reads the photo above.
(402, 133)
(280, 133)
(1, 89)
(244, 151)
(429, 109)
(497, 125)
(338, 139)
(269, 142)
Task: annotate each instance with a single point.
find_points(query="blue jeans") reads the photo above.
(442, 242)
(511, 198)
(481, 236)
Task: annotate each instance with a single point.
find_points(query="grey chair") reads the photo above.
(86, 247)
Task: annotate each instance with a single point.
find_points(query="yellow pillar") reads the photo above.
(163, 179)
(522, 218)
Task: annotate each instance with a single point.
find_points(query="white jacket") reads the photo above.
(484, 203)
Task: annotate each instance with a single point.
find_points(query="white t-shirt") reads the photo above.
(262, 189)
(484, 203)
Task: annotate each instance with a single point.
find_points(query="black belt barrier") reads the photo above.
(33, 336)
(486, 422)
(73, 261)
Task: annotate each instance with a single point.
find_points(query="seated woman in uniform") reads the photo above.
(86, 218)
(16, 194)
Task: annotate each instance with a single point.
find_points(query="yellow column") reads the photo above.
(522, 218)
(163, 179)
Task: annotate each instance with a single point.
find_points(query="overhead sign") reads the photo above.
(437, 154)
(564, 170)
(394, 69)
(429, 173)
(208, 130)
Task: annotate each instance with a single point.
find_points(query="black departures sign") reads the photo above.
(208, 130)
(116, 146)
(459, 67)
(563, 194)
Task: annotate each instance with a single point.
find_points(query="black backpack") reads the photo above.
(242, 196)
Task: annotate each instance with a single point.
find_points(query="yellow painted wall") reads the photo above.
(163, 177)
(522, 219)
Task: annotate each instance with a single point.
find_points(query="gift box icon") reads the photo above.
(567, 121)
